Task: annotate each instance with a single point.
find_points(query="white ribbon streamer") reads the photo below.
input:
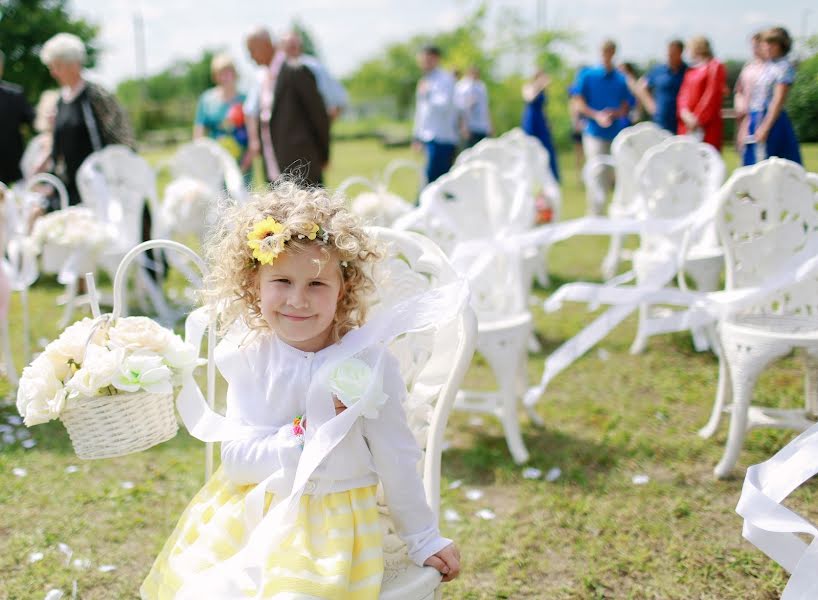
(773, 528)
(241, 575)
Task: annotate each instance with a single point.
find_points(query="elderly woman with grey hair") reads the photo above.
(88, 117)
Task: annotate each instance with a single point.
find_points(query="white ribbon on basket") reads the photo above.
(773, 528)
(243, 571)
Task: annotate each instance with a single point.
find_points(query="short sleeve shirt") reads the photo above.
(602, 89)
(664, 83)
(778, 71)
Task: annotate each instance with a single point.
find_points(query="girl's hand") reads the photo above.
(339, 406)
(447, 561)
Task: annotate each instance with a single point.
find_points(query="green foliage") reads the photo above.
(167, 99)
(25, 25)
(394, 73)
(803, 99)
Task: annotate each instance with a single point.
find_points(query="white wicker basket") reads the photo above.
(109, 426)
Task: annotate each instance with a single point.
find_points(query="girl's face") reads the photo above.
(299, 296)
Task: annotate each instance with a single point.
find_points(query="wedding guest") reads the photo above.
(701, 95)
(88, 117)
(659, 89)
(15, 112)
(472, 100)
(601, 95)
(769, 127)
(286, 114)
(332, 90)
(435, 125)
(219, 112)
(578, 121)
(534, 121)
(750, 73)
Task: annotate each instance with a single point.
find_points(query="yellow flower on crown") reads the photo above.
(266, 250)
(312, 231)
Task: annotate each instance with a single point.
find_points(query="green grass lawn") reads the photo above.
(591, 533)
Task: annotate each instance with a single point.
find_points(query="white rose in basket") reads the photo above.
(140, 333)
(99, 367)
(352, 381)
(40, 394)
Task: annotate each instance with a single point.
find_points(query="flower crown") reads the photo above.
(267, 238)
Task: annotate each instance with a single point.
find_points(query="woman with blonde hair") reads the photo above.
(770, 132)
(219, 113)
(701, 95)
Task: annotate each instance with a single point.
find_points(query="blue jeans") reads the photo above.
(439, 159)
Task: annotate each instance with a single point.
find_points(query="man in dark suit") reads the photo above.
(15, 111)
(286, 116)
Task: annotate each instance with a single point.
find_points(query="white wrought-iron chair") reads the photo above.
(627, 150)
(458, 213)
(18, 262)
(673, 180)
(378, 205)
(767, 222)
(413, 264)
(117, 184)
(207, 161)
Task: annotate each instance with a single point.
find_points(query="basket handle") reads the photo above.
(120, 279)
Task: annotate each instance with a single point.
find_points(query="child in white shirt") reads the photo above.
(289, 271)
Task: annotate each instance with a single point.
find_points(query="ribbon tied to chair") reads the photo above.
(774, 528)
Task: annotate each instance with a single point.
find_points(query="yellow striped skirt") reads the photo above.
(336, 552)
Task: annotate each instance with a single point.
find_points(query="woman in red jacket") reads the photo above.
(701, 94)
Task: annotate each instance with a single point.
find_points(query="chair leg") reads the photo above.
(26, 326)
(723, 397)
(640, 342)
(11, 370)
(542, 268)
(611, 261)
(71, 289)
(511, 426)
(745, 365)
(811, 382)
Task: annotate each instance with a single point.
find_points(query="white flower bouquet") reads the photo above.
(111, 383)
(73, 227)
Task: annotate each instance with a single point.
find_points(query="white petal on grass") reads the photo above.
(35, 557)
(8, 438)
(14, 420)
(6, 428)
(455, 484)
(72, 469)
(82, 563)
(54, 595)
(474, 494)
(28, 444)
(486, 514)
(19, 472)
(451, 515)
(640, 479)
(603, 354)
(553, 474)
(66, 549)
(476, 422)
(531, 473)
(106, 568)
(127, 485)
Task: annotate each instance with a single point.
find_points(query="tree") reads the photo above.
(25, 25)
(803, 99)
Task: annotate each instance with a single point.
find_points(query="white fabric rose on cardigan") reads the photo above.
(351, 382)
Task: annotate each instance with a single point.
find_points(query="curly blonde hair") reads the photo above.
(233, 280)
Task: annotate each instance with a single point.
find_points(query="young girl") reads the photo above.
(289, 272)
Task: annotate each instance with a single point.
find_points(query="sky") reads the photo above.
(350, 31)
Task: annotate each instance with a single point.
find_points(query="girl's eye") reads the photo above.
(316, 283)
(281, 280)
